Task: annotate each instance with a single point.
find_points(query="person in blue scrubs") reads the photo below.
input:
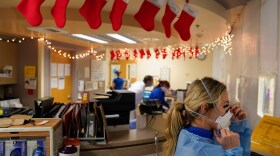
(206, 124)
(159, 92)
(118, 82)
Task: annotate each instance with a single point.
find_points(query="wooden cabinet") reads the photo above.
(9, 57)
(51, 132)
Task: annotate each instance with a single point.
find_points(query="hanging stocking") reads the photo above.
(119, 54)
(187, 1)
(112, 54)
(157, 53)
(179, 53)
(59, 12)
(170, 13)
(31, 11)
(147, 12)
(91, 10)
(196, 52)
(173, 54)
(185, 21)
(190, 53)
(127, 55)
(148, 53)
(135, 53)
(117, 13)
(142, 53)
(164, 53)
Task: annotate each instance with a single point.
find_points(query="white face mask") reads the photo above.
(222, 121)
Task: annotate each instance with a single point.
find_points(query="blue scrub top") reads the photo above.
(199, 142)
(118, 83)
(157, 93)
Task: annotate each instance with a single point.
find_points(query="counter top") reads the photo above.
(126, 138)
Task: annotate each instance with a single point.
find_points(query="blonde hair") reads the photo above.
(178, 116)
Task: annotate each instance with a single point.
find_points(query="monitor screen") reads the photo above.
(147, 94)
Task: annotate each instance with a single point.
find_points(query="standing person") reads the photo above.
(206, 124)
(159, 92)
(139, 87)
(118, 82)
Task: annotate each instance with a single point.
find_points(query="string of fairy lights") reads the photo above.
(48, 43)
(225, 42)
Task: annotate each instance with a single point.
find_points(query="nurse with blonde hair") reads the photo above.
(206, 124)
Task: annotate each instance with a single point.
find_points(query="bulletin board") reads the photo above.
(60, 78)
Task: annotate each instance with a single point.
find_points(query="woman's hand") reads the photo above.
(228, 139)
(238, 112)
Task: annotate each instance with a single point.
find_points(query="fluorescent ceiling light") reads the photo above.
(89, 38)
(121, 38)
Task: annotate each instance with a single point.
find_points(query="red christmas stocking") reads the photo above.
(91, 10)
(148, 53)
(112, 54)
(164, 53)
(142, 53)
(135, 53)
(127, 55)
(185, 21)
(157, 53)
(147, 12)
(117, 13)
(59, 12)
(187, 1)
(31, 11)
(170, 13)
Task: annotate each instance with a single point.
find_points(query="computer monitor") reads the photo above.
(147, 94)
(42, 106)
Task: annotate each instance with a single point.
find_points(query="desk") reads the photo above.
(51, 131)
(125, 143)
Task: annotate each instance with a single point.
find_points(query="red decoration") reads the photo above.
(157, 53)
(185, 21)
(31, 11)
(142, 53)
(91, 10)
(148, 53)
(171, 11)
(173, 54)
(127, 55)
(190, 53)
(196, 51)
(146, 14)
(112, 54)
(117, 12)
(119, 54)
(178, 53)
(59, 12)
(164, 53)
(135, 53)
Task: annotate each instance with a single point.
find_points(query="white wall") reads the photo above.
(255, 51)
(180, 71)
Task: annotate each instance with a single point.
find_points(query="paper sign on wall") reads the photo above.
(30, 83)
(95, 85)
(67, 70)
(54, 83)
(29, 71)
(87, 73)
(60, 69)
(53, 69)
(61, 83)
(164, 74)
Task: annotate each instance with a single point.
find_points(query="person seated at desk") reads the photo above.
(118, 82)
(159, 92)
